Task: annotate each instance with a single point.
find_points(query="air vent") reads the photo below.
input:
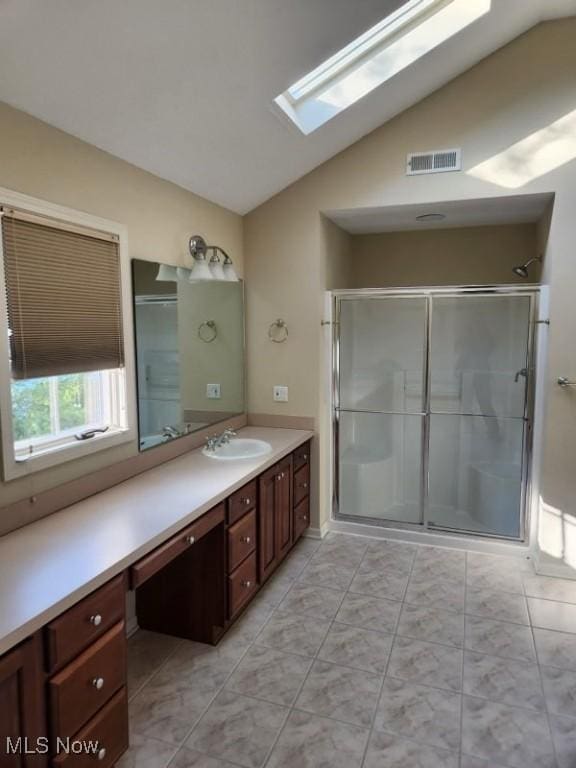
(436, 161)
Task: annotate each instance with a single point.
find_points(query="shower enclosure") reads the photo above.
(433, 401)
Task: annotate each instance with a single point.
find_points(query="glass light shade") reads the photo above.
(167, 274)
(200, 271)
(217, 269)
(183, 273)
(229, 272)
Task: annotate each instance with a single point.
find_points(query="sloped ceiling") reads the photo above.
(184, 88)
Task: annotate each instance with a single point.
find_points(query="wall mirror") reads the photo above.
(189, 352)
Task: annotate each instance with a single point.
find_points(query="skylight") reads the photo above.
(397, 41)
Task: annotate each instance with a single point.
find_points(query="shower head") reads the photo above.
(522, 269)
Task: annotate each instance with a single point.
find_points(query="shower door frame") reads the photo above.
(532, 292)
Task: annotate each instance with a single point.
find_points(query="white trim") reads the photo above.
(412, 11)
(12, 468)
(369, 61)
(457, 541)
(317, 533)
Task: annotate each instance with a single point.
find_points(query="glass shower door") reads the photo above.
(380, 407)
(478, 388)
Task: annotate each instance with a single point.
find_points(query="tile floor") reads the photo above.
(363, 652)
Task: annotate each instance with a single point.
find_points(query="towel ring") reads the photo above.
(207, 331)
(278, 331)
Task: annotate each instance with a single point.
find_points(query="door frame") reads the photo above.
(532, 292)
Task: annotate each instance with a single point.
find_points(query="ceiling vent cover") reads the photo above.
(435, 161)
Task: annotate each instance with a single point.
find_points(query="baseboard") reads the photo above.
(316, 533)
(545, 565)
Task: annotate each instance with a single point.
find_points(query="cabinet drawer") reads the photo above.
(301, 518)
(241, 540)
(70, 633)
(106, 736)
(241, 502)
(241, 585)
(301, 484)
(85, 685)
(165, 553)
(302, 456)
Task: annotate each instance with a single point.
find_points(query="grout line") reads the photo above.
(461, 729)
(393, 634)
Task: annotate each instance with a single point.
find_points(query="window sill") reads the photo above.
(15, 467)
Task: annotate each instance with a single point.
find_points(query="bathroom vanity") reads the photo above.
(195, 538)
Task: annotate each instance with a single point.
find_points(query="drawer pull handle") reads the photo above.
(305, 456)
(190, 540)
(303, 517)
(101, 754)
(98, 683)
(96, 620)
(247, 502)
(246, 539)
(247, 584)
(278, 477)
(304, 485)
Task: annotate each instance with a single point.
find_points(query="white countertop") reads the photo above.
(49, 565)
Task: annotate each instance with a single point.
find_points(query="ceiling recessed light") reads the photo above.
(431, 217)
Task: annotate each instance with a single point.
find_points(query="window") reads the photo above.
(64, 367)
(386, 49)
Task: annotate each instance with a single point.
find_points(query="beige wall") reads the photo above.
(467, 256)
(488, 111)
(41, 161)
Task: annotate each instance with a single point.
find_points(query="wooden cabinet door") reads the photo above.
(267, 547)
(283, 507)
(22, 725)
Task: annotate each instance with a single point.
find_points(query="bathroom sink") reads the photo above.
(239, 448)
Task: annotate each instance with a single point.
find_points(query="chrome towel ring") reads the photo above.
(207, 331)
(278, 331)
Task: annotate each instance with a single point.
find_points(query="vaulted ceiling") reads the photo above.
(184, 88)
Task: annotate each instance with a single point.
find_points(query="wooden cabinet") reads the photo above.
(182, 584)
(301, 492)
(69, 680)
(74, 630)
(274, 516)
(22, 721)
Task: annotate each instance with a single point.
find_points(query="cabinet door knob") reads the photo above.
(304, 485)
(98, 683)
(278, 477)
(190, 539)
(305, 456)
(247, 584)
(247, 502)
(96, 620)
(101, 754)
(246, 539)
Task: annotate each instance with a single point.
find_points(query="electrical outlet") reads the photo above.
(213, 391)
(280, 394)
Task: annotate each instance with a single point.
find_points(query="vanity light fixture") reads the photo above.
(167, 274)
(216, 265)
(214, 269)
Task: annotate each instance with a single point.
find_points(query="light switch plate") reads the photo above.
(213, 391)
(280, 394)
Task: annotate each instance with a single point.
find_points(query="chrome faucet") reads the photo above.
(169, 431)
(213, 443)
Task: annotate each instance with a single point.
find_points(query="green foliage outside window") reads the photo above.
(31, 416)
